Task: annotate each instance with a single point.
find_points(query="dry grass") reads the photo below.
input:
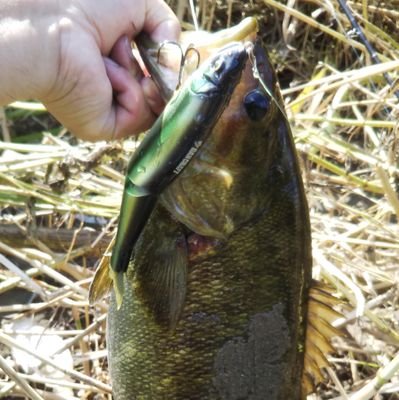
(344, 118)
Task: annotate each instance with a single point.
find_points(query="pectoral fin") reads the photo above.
(161, 273)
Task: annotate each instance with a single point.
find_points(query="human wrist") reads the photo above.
(29, 49)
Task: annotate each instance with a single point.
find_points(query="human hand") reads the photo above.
(75, 57)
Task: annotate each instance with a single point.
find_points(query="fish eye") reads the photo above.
(256, 104)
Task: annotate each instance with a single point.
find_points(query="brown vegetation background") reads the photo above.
(59, 200)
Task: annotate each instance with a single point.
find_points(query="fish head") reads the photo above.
(226, 184)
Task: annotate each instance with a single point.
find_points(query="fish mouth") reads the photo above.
(163, 60)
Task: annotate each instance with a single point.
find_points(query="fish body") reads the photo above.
(215, 297)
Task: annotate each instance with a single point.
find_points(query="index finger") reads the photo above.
(160, 21)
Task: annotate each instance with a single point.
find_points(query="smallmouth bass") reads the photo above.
(214, 301)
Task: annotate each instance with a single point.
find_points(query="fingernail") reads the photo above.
(128, 47)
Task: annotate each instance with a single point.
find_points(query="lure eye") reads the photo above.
(256, 104)
(219, 66)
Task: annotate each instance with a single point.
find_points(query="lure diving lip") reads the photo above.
(173, 140)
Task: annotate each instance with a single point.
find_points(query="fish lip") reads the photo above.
(236, 33)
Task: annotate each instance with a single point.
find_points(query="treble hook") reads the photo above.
(166, 42)
(183, 57)
(189, 49)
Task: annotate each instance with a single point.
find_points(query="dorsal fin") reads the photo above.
(105, 278)
(319, 333)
